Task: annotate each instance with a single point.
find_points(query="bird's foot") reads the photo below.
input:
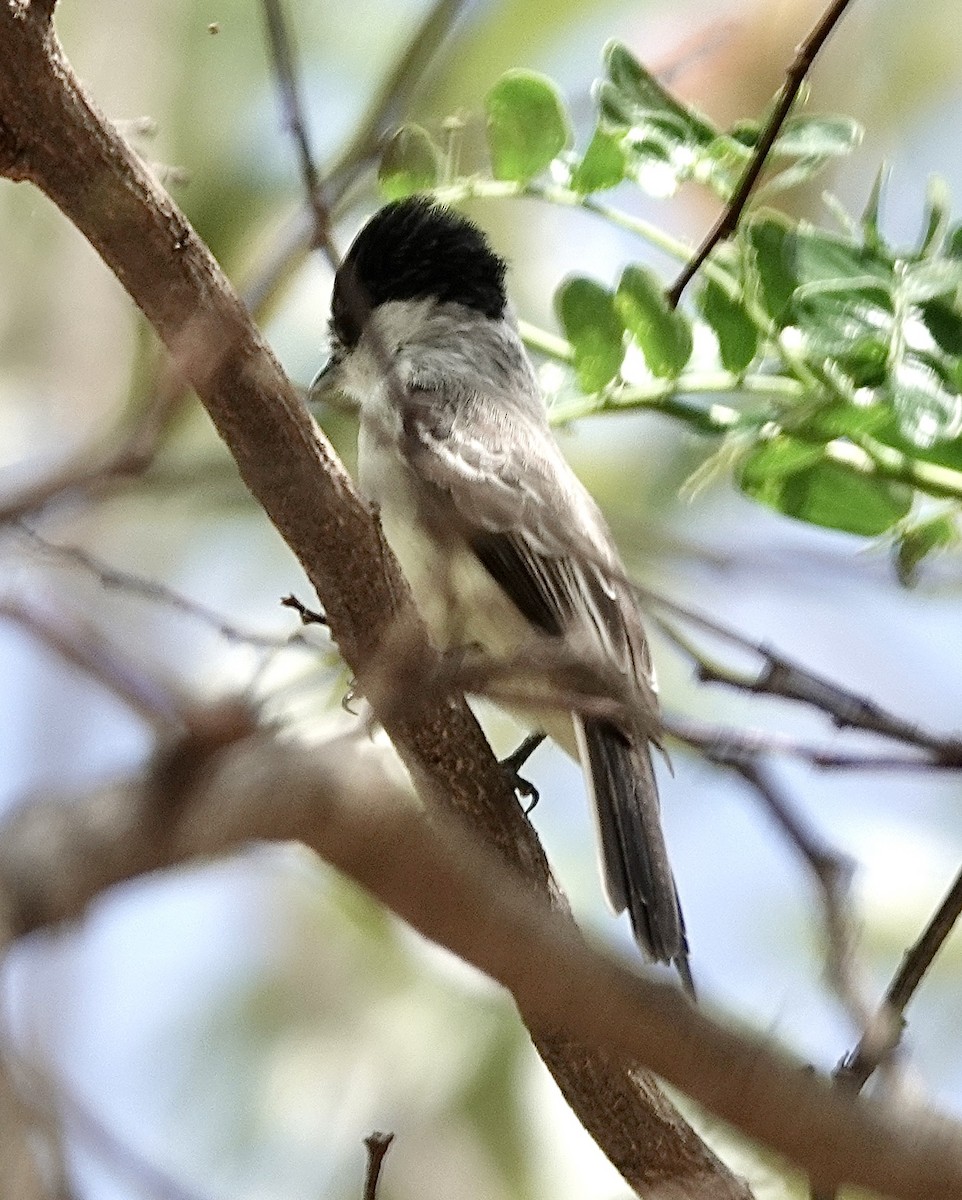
(513, 763)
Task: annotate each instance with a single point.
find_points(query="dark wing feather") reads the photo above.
(541, 538)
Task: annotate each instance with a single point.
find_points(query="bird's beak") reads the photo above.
(323, 383)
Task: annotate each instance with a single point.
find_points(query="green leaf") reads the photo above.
(822, 257)
(603, 165)
(410, 164)
(735, 330)
(772, 461)
(921, 281)
(528, 125)
(637, 97)
(772, 247)
(818, 136)
(853, 329)
(917, 542)
(796, 264)
(798, 172)
(662, 332)
(796, 479)
(595, 330)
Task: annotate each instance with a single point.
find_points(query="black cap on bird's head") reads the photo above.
(415, 249)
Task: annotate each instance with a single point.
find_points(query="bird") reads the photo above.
(498, 538)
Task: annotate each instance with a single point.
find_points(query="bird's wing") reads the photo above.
(502, 478)
(530, 522)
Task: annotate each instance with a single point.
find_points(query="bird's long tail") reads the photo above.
(637, 873)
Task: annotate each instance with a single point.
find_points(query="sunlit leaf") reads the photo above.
(822, 257)
(853, 328)
(638, 97)
(603, 165)
(772, 244)
(410, 164)
(803, 262)
(797, 173)
(527, 125)
(839, 419)
(662, 332)
(595, 330)
(921, 281)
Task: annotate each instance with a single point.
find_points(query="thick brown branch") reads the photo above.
(54, 857)
(51, 134)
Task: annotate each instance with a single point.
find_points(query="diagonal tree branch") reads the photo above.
(51, 135)
(339, 798)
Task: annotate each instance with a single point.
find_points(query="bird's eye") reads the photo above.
(344, 324)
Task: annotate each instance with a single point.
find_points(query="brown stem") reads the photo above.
(727, 223)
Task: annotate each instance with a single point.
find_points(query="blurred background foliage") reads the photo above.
(241, 1027)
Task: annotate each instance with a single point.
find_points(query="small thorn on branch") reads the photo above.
(309, 616)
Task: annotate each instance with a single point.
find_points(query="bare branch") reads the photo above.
(340, 800)
(723, 741)
(727, 223)
(782, 676)
(84, 647)
(295, 121)
(159, 593)
(377, 1145)
(885, 1032)
(832, 872)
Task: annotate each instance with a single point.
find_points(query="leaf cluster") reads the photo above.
(841, 354)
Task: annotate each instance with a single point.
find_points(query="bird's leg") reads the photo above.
(516, 760)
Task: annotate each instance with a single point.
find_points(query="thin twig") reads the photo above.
(389, 104)
(856, 1068)
(153, 590)
(712, 740)
(882, 1035)
(727, 223)
(295, 121)
(377, 1145)
(158, 704)
(783, 677)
